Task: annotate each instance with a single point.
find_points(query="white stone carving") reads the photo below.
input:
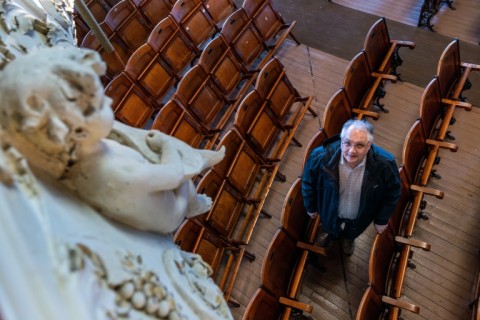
(54, 111)
(62, 161)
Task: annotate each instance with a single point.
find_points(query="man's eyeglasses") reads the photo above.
(358, 146)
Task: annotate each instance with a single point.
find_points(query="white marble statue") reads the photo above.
(54, 111)
(63, 160)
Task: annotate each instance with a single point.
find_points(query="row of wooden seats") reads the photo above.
(240, 183)
(153, 69)
(130, 22)
(284, 262)
(264, 126)
(370, 68)
(391, 251)
(151, 10)
(453, 76)
(238, 186)
(421, 145)
(273, 105)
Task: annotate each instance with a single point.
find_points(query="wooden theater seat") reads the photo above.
(219, 61)
(452, 80)
(398, 218)
(129, 102)
(232, 216)
(315, 141)
(403, 262)
(283, 99)
(261, 130)
(338, 111)
(250, 176)
(303, 231)
(297, 223)
(153, 10)
(227, 204)
(194, 21)
(98, 9)
(263, 306)
(241, 35)
(174, 120)
(172, 44)
(361, 84)
(278, 270)
(413, 157)
(116, 60)
(435, 122)
(222, 256)
(453, 73)
(198, 94)
(151, 72)
(128, 24)
(269, 22)
(381, 51)
(219, 10)
(371, 306)
(387, 268)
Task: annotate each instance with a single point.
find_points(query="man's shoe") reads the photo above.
(324, 241)
(348, 246)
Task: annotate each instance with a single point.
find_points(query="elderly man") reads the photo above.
(350, 182)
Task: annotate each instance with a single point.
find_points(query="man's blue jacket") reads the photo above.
(380, 188)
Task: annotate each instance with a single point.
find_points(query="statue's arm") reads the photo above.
(129, 168)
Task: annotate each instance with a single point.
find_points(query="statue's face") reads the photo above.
(54, 106)
(86, 110)
(66, 113)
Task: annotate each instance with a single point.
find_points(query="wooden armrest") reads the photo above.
(434, 192)
(457, 103)
(285, 26)
(414, 243)
(302, 99)
(401, 304)
(470, 65)
(404, 43)
(442, 144)
(274, 159)
(295, 304)
(366, 113)
(312, 248)
(385, 76)
(309, 100)
(314, 230)
(251, 199)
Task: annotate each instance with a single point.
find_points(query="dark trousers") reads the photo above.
(348, 230)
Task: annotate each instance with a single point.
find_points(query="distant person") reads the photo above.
(350, 182)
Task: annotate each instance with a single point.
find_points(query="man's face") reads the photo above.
(355, 146)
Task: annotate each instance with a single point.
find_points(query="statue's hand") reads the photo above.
(162, 144)
(198, 205)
